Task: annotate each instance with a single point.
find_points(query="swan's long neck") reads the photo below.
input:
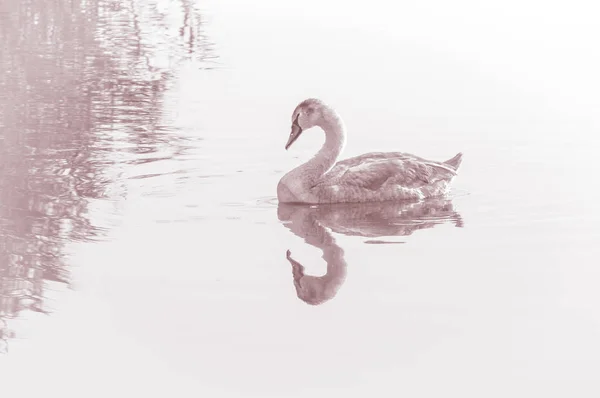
(335, 140)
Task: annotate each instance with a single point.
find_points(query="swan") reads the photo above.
(372, 177)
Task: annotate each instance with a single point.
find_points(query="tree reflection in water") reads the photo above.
(81, 91)
(315, 225)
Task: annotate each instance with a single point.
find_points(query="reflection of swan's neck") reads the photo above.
(304, 222)
(316, 290)
(323, 161)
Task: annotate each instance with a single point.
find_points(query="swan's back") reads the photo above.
(379, 176)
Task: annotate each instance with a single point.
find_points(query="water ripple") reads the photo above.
(82, 91)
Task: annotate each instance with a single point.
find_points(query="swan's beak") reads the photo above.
(296, 131)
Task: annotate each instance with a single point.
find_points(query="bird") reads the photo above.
(371, 177)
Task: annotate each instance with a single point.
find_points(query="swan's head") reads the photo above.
(308, 113)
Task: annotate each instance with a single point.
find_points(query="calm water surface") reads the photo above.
(142, 248)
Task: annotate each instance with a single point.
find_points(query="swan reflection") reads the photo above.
(315, 225)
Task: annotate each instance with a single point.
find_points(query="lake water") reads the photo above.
(143, 251)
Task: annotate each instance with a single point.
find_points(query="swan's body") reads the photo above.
(372, 177)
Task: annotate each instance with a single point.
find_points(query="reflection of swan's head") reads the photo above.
(313, 294)
(316, 290)
(309, 113)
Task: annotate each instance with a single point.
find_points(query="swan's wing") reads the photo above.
(372, 170)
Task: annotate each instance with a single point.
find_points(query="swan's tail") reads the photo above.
(455, 161)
